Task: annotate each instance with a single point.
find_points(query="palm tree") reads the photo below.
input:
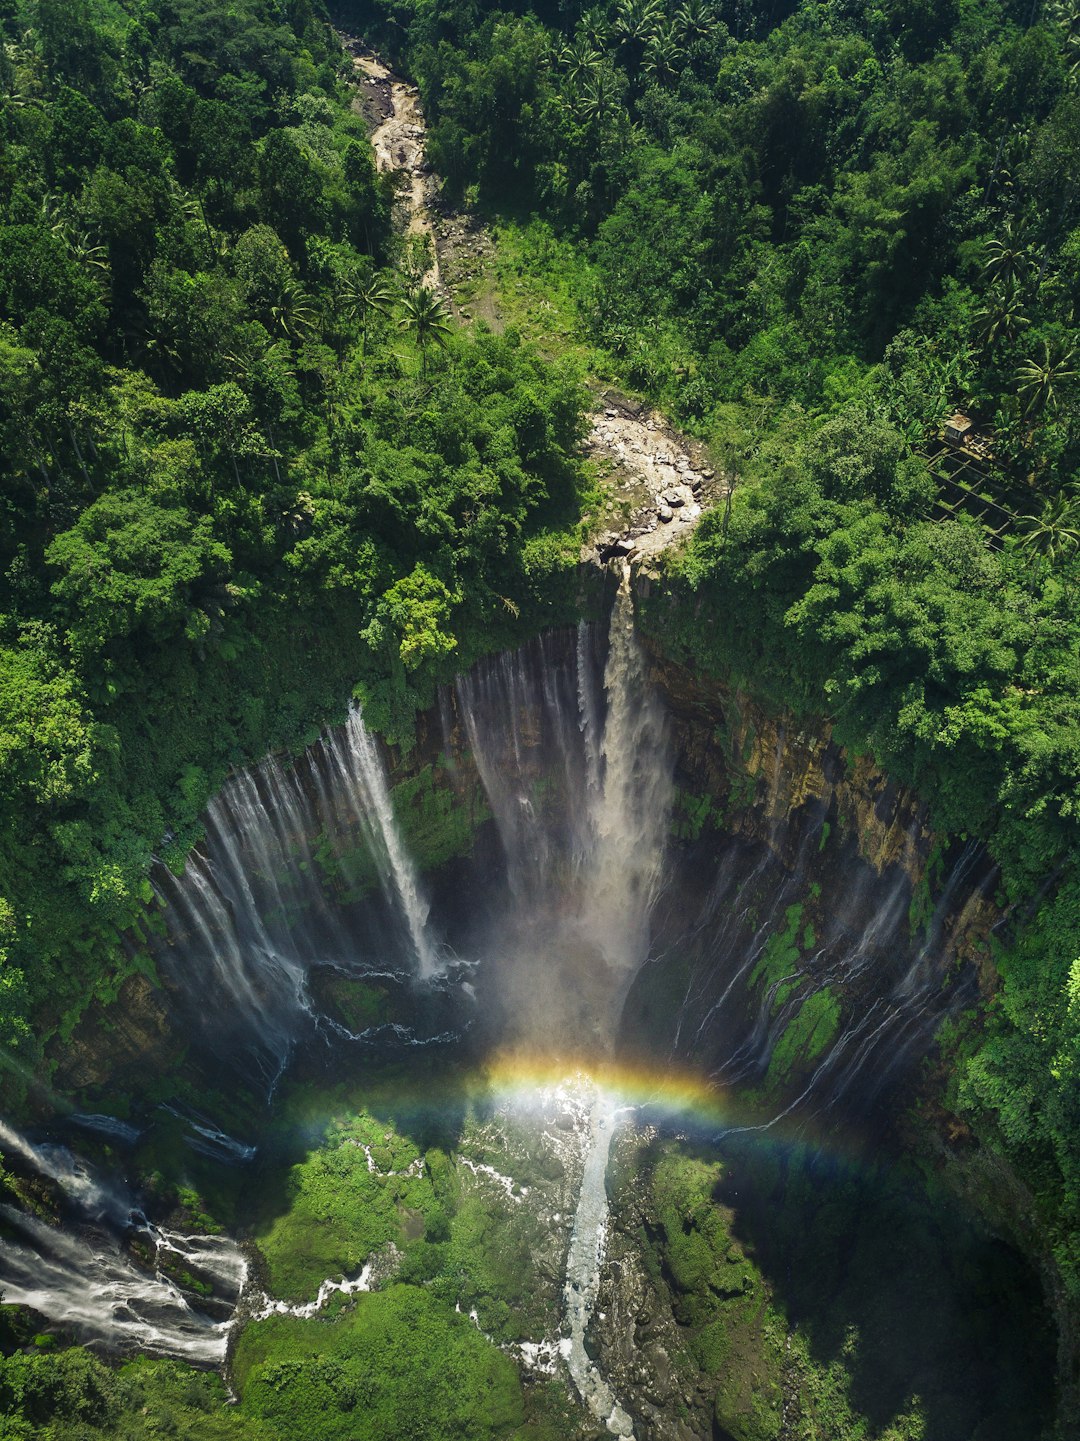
(423, 313)
(636, 22)
(1065, 14)
(292, 313)
(361, 296)
(1002, 317)
(1006, 261)
(87, 252)
(598, 97)
(694, 21)
(579, 60)
(1055, 531)
(664, 54)
(596, 29)
(1037, 379)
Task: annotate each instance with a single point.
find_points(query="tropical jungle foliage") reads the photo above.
(238, 477)
(248, 464)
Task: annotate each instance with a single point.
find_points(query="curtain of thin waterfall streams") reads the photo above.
(287, 846)
(85, 1277)
(556, 929)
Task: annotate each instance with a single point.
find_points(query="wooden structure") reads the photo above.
(961, 460)
(958, 427)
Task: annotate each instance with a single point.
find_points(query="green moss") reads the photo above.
(346, 1199)
(748, 744)
(690, 815)
(781, 954)
(348, 871)
(806, 1035)
(700, 1258)
(395, 1364)
(357, 1004)
(73, 1396)
(437, 823)
(718, 1294)
(921, 908)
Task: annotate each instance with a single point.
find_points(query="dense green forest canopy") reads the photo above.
(813, 231)
(247, 464)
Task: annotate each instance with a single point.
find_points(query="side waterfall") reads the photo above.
(108, 1279)
(376, 816)
(289, 848)
(884, 983)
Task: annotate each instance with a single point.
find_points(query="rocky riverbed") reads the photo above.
(657, 483)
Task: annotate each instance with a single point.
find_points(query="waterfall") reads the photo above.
(94, 1289)
(289, 847)
(890, 988)
(572, 748)
(81, 1188)
(376, 814)
(528, 737)
(631, 804)
(93, 1283)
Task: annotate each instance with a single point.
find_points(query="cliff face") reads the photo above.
(816, 927)
(765, 771)
(119, 1044)
(771, 782)
(775, 807)
(812, 932)
(767, 767)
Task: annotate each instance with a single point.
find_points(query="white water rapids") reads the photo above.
(113, 1278)
(583, 1265)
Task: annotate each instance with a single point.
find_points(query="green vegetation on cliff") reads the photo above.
(817, 1297)
(397, 1365)
(236, 484)
(391, 1365)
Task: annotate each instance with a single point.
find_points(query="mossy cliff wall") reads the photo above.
(748, 774)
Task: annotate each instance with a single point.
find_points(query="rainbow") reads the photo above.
(672, 1096)
(672, 1093)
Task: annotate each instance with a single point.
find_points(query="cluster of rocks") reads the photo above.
(634, 1337)
(464, 247)
(660, 484)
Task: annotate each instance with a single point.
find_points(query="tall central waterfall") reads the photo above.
(575, 757)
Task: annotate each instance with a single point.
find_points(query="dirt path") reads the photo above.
(656, 483)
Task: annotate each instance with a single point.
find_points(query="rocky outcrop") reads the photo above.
(656, 484)
(118, 1044)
